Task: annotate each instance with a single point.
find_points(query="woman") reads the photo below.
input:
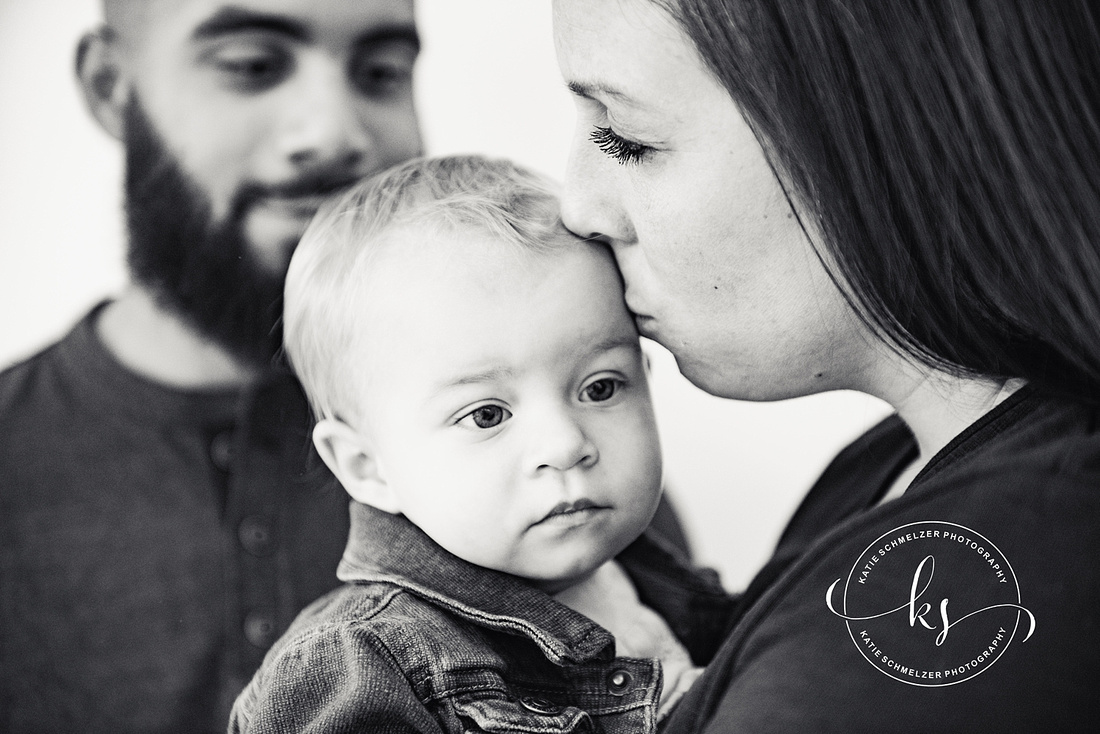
(901, 198)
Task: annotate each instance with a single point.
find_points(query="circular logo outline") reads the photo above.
(867, 552)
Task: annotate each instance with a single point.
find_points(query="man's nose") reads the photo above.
(327, 122)
(559, 443)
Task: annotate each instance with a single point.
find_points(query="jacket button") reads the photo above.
(257, 535)
(618, 682)
(259, 629)
(540, 706)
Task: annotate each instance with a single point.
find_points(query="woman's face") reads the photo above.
(665, 169)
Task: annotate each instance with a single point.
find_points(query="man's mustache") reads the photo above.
(319, 184)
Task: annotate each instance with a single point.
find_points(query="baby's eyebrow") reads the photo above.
(477, 378)
(499, 374)
(620, 341)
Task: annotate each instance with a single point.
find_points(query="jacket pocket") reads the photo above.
(527, 714)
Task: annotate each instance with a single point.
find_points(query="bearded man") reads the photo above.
(160, 524)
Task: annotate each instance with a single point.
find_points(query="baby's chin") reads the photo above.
(565, 578)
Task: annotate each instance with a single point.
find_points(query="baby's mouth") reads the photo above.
(569, 513)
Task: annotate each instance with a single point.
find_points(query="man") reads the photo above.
(160, 524)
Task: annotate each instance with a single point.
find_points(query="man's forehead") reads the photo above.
(129, 17)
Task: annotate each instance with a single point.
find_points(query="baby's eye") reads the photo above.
(486, 416)
(601, 390)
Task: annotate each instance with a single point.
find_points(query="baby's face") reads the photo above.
(507, 402)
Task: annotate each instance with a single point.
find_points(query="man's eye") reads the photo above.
(251, 69)
(384, 72)
(601, 390)
(486, 416)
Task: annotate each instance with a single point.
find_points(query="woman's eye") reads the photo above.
(623, 150)
(601, 390)
(487, 416)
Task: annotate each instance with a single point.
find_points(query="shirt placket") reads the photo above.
(257, 608)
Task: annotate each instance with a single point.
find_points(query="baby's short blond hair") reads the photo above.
(437, 196)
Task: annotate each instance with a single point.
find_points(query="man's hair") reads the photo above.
(329, 271)
(948, 152)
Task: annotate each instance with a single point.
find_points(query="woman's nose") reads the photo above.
(591, 206)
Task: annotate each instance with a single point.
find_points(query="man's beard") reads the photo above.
(197, 268)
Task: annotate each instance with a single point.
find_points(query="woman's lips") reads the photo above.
(646, 325)
(642, 319)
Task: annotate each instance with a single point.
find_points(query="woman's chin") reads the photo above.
(724, 379)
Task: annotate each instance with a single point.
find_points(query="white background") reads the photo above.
(487, 82)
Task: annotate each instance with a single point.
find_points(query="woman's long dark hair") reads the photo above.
(949, 152)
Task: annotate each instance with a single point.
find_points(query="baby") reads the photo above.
(481, 394)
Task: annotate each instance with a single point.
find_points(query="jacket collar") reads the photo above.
(386, 547)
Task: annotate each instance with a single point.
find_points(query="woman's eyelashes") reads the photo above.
(622, 150)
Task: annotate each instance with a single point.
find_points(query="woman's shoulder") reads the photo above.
(1039, 446)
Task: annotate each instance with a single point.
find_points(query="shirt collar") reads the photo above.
(107, 385)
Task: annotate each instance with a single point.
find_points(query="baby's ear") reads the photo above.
(351, 457)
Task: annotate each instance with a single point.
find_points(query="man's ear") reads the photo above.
(351, 458)
(101, 73)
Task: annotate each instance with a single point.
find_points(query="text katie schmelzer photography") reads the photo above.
(931, 604)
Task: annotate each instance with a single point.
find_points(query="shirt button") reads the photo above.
(618, 682)
(259, 629)
(540, 706)
(257, 535)
(221, 450)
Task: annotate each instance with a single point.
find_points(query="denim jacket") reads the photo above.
(419, 640)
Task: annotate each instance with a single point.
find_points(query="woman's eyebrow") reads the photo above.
(591, 90)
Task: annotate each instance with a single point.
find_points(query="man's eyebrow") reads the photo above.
(233, 19)
(392, 33)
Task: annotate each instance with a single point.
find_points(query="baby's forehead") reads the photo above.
(416, 238)
(425, 265)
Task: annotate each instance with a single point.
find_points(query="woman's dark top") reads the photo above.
(971, 603)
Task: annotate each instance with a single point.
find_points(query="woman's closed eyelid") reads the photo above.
(621, 149)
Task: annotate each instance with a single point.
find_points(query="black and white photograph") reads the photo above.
(626, 366)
